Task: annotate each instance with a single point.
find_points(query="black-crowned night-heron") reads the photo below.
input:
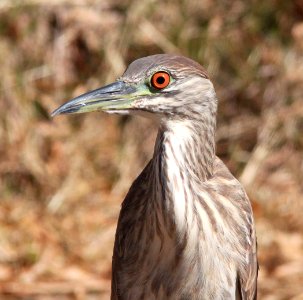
(186, 228)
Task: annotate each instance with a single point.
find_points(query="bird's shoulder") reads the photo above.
(138, 189)
(128, 231)
(229, 187)
(225, 184)
(135, 203)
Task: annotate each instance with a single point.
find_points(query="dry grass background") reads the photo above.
(62, 180)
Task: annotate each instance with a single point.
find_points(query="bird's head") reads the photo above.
(166, 86)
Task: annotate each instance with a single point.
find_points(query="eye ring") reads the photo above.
(160, 80)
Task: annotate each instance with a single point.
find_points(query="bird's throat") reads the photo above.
(186, 149)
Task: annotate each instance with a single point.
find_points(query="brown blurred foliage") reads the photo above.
(62, 181)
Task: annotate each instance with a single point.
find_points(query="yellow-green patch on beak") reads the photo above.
(117, 96)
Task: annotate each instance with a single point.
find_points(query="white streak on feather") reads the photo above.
(177, 134)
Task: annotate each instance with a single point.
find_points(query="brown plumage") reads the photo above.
(186, 228)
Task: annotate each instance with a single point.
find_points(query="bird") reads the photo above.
(186, 228)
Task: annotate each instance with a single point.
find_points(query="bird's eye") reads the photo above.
(160, 80)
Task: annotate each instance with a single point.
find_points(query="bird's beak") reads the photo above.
(115, 97)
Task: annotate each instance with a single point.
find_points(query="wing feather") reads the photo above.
(247, 275)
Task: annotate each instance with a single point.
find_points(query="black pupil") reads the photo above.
(160, 80)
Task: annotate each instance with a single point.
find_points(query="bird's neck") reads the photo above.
(183, 159)
(185, 150)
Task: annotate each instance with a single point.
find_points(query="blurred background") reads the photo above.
(62, 181)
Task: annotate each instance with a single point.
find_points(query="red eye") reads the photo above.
(160, 80)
